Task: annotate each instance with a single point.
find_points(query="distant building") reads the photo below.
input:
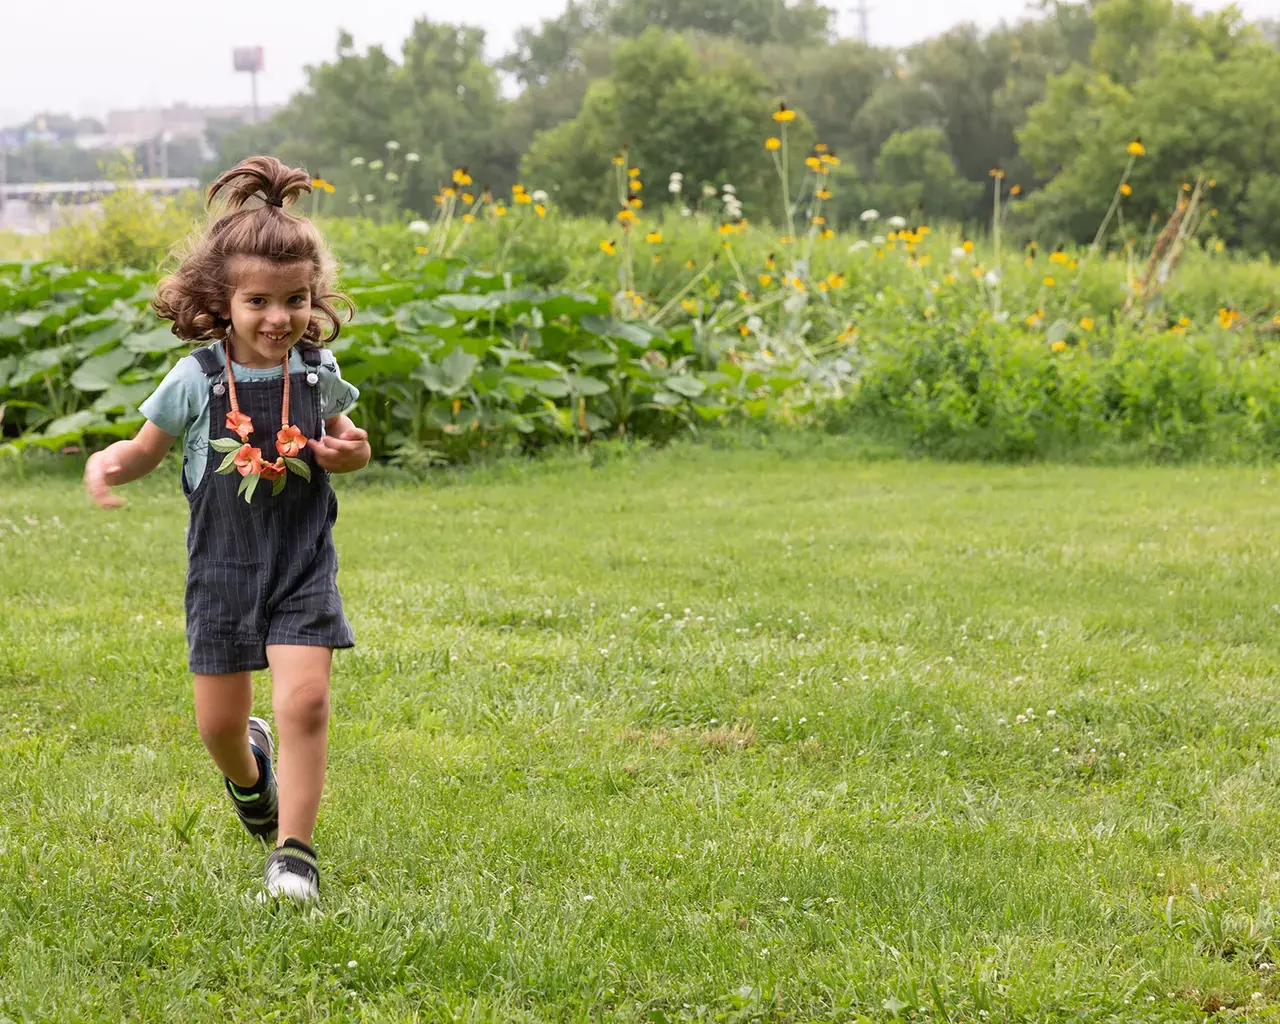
(135, 127)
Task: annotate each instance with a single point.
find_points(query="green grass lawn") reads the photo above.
(704, 735)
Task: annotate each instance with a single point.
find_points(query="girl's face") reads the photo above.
(270, 309)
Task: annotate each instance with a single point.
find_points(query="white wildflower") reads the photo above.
(375, 165)
(419, 227)
(357, 161)
(870, 216)
(412, 158)
(859, 245)
(897, 223)
(392, 145)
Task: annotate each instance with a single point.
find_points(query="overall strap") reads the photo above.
(209, 360)
(310, 355)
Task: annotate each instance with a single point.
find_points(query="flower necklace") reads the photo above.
(244, 458)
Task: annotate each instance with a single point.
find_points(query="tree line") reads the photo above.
(1052, 101)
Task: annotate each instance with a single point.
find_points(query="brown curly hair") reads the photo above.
(248, 218)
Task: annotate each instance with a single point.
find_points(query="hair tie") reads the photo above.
(277, 203)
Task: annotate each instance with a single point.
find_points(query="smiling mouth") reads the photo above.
(276, 336)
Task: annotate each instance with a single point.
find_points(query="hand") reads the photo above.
(343, 452)
(100, 474)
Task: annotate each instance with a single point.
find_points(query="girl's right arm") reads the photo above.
(125, 461)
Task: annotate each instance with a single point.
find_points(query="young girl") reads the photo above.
(262, 409)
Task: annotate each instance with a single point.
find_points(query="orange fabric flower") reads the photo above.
(273, 470)
(249, 460)
(239, 423)
(289, 441)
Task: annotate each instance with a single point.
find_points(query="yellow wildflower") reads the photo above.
(835, 280)
(765, 280)
(1059, 346)
(449, 193)
(461, 177)
(500, 210)
(421, 250)
(1058, 256)
(924, 260)
(786, 240)
(688, 264)
(727, 229)
(619, 161)
(772, 144)
(1072, 265)
(819, 220)
(636, 202)
(996, 173)
(744, 330)
(968, 245)
(1086, 323)
(540, 210)
(1184, 321)
(743, 294)
(820, 148)
(468, 218)
(633, 172)
(517, 190)
(1049, 282)
(626, 216)
(1126, 189)
(1136, 148)
(813, 163)
(1016, 190)
(690, 306)
(830, 160)
(653, 237)
(828, 234)
(636, 186)
(770, 263)
(468, 198)
(608, 247)
(783, 115)
(1035, 318)
(524, 199)
(822, 286)
(823, 194)
(1228, 318)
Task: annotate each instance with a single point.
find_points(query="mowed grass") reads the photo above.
(704, 735)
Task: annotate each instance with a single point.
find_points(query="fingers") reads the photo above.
(97, 481)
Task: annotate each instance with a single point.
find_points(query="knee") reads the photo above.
(304, 706)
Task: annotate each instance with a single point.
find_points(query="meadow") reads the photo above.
(745, 730)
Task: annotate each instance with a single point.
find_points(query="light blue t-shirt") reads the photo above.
(180, 405)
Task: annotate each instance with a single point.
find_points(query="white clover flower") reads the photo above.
(958, 254)
(859, 245)
(870, 216)
(392, 145)
(754, 323)
(412, 158)
(369, 197)
(357, 161)
(992, 277)
(878, 240)
(375, 165)
(709, 191)
(392, 176)
(540, 195)
(897, 223)
(355, 198)
(675, 187)
(728, 190)
(419, 227)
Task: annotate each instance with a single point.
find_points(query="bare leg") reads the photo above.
(223, 704)
(300, 694)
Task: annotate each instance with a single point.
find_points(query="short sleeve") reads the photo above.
(336, 395)
(178, 402)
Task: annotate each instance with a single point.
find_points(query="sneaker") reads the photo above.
(259, 813)
(292, 873)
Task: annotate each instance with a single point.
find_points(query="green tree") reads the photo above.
(916, 177)
(440, 101)
(1204, 104)
(675, 111)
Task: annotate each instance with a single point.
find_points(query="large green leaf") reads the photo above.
(97, 373)
(593, 356)
(162, 339)
(120, 397)
(685, 384)
(588, 387)
(451, 374)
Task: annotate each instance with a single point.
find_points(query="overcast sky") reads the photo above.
(86, 57)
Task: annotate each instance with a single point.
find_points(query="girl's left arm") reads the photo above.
(344, 447)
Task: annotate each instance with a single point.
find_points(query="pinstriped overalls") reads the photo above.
(264, 572)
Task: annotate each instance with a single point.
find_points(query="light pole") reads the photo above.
(249, 58)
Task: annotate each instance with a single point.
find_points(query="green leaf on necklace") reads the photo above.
(299, 467)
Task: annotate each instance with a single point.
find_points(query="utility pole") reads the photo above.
(863, 11)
